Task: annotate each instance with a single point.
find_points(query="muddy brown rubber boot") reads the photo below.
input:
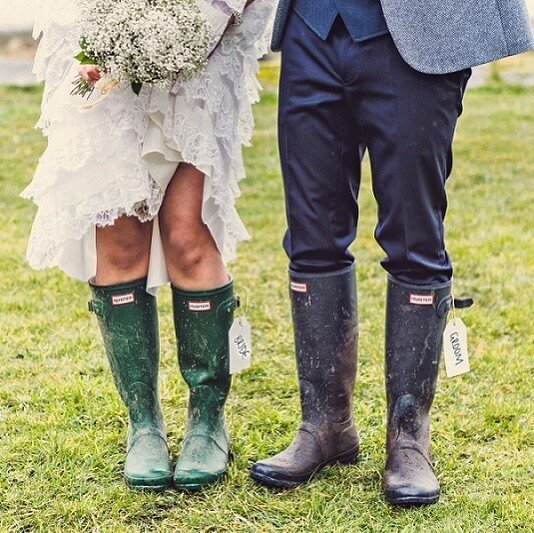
(325, 322)
(415, 320)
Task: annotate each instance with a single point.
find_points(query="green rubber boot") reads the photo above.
(202, 321)
(128, 320)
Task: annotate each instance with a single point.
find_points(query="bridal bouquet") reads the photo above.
(142, 41)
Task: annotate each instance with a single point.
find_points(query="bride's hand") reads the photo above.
(89, 73)
(232, 20)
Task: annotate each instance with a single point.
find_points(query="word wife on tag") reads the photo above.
(455, 348)
(240, 339)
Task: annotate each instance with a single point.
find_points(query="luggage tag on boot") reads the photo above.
(455, 344)
(240, 338)
(240, 341)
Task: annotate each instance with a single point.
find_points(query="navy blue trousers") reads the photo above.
(337, 99)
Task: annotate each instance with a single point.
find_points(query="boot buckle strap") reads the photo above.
(96, 307)
(463, 303)
(444, 306)
(229, 305)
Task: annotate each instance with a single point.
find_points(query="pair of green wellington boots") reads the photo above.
(128, 320)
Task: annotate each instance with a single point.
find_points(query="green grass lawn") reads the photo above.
(62, 426)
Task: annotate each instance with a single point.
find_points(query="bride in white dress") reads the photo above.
(137, 191)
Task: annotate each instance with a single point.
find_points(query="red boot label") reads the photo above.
(422, 299)
(123, 299)
(299, 287)
(199, 306)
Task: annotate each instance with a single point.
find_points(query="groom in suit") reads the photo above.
(387, 76)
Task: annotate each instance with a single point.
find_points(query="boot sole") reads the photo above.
(149, 488)
(135, 484)
(349, 457)
(408, 501)
(195, 487)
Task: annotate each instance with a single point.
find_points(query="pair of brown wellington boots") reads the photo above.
(324, 310)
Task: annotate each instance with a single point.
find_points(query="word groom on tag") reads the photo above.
(455, 348)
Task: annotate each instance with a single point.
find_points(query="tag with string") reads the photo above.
(240, 341)
(455, 342)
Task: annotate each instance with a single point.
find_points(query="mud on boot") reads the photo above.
(324, 310)
(415, 320)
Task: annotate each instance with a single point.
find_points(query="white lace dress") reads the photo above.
(119, 157)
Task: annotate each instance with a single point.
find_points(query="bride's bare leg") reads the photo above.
(123, 251)
(192, 257)
(203, 307)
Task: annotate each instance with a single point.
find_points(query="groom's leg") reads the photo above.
(320, 155)
(319, 151)
(409, 120)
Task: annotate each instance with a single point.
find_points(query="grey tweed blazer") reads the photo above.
(440, 36)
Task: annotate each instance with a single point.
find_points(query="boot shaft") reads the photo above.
(324, 311)
(202, 321)
(128, 320)
(415, 321)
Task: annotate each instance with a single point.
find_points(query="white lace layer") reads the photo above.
(118, 157)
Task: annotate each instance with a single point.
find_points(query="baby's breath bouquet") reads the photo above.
(142, 41)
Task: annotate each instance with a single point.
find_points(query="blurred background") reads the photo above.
(17, 49)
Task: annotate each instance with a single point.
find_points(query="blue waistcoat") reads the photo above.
(363, 18)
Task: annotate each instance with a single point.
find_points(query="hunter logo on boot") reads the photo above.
(123, 299)
(199, 306)
(299, 287)
(422, 299)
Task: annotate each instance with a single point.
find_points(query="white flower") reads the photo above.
(145, 41)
